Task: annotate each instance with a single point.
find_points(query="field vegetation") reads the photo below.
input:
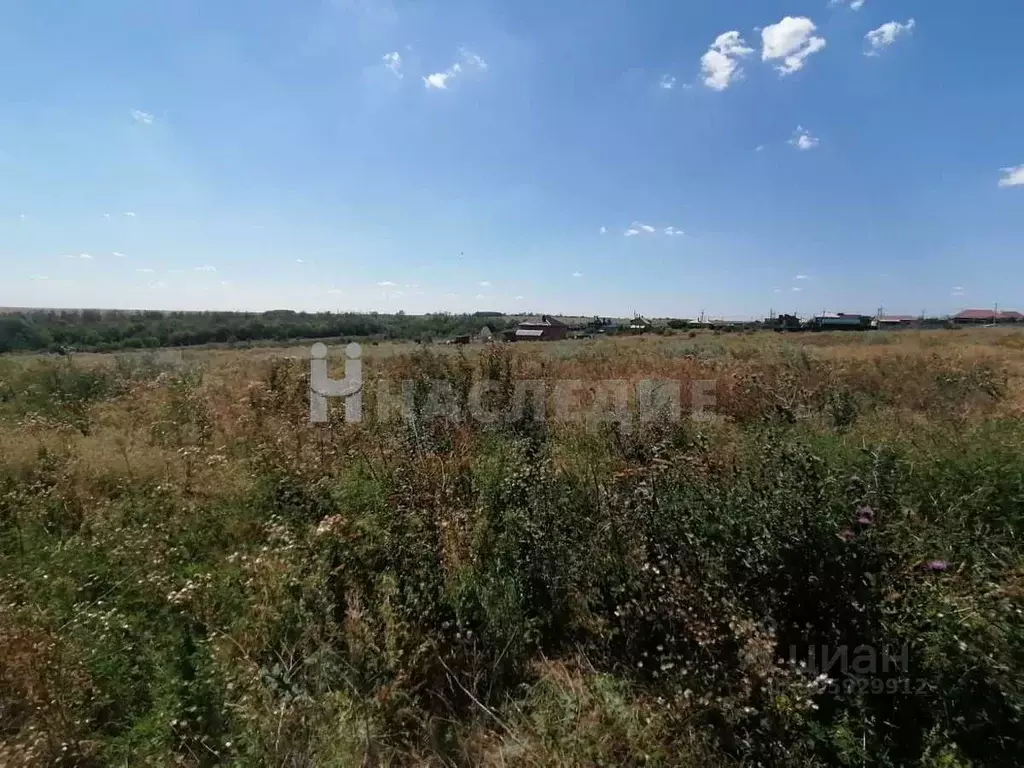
(192, 573)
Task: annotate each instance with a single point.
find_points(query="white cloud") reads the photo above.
(206, 269)
(439, 80)
(300, 261)
(145, 118)
(631, 232)
(672, 231)
(646, 228)
(1013, 177)
(803, 140)
(145, 270)
(777, 290)
(393, 61)
(792, 40)
(759, 148)
(334, 290)
(797, 288)
(485, 284)
(472, 59)
(604, 230)
(720, 65)
(668, 82)
(83, 256)
(130, 214)
(22, 216)
(39, 277)
(855, 5)
(106, 215)
(577, 274)
(517, 298)
(801, 277)
(886, 35)
(386, 284)
(118, 254)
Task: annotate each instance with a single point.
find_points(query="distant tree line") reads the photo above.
(102, 330)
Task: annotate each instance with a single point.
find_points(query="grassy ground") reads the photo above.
(192, 573)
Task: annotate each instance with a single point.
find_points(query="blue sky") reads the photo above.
(449, 155)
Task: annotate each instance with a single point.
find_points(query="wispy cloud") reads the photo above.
(38, 277)
(854, 5)
(145, 270)
(468, 61)
(145, 118)
(117, 254)
(790, 42)
(631, 232)
(604, 230)
(887, 34)
(777, 290)
(517, 298)
(386, 284)
(797, 289)
(720, 66)
(22, 217)
(106, 215)
(577, 274)
(1012, 177)
(206, 268)
(485, 284)
(673, 232)
(801, 277)
(82, 256)
(300, 261)
(759, 148)
(393, 61)
(130, 214)
(668, 82)
(803, 140)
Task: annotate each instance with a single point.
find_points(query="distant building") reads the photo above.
(840, 321)
(895, 321)
(640, 324)
(986, 317)
(543, 328)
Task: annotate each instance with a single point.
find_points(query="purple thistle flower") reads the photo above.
(936, 565)
(865, 515)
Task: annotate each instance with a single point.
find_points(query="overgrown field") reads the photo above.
(193, 573)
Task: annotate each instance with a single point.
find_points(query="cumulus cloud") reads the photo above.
(887, 34)
(468, 60)
(789, 43)
(393, 61)
(647, 228)
(803, 140)
(672, 231)
(1012, 177)
(720, 65)
(631, 232)
(144, 118)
